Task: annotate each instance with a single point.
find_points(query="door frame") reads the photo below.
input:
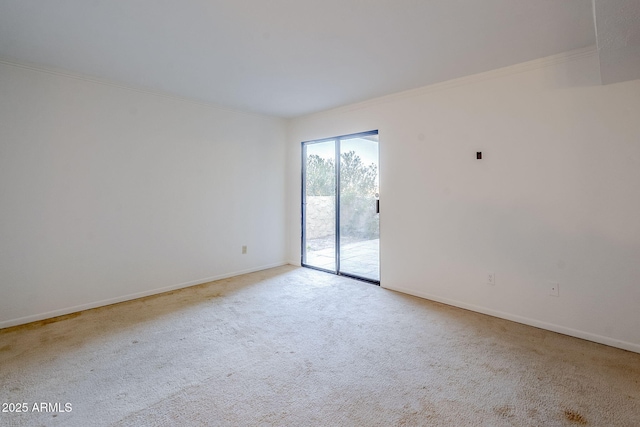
(336, 140)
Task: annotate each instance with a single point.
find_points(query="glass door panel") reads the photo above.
(359, 236)
(319, 205)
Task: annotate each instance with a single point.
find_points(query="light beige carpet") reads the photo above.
(293, 346)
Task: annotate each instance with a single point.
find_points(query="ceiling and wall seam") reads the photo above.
(448, 84)
(595, 29)
(106, 82)
(523, 67)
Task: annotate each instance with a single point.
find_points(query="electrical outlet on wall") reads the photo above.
(491, 278)
(244, 249)
(554, 289)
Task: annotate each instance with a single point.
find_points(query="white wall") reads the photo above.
(556, 198)
(108, 193)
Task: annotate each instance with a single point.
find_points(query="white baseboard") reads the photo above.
(102, 303)
(625, 345)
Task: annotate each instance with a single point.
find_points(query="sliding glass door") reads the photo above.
(340, 220)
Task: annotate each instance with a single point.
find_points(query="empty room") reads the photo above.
(320, 213)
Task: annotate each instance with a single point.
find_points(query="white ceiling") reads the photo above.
(288, 57)
(618, 32)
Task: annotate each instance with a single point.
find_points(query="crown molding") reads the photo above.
(105, 82)
(522, 67)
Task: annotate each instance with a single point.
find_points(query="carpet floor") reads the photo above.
(296, 347)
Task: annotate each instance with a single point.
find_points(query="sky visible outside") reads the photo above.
(365, 148)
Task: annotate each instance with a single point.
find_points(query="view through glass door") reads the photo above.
(340, 219)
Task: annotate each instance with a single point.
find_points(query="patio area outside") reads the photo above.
(357, 257)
